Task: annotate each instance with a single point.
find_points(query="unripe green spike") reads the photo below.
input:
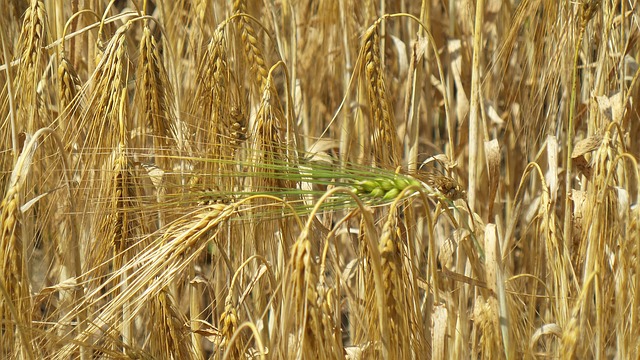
(367, 185)
(387, 184)
(377, 192)
(401, 182)
(391, 194)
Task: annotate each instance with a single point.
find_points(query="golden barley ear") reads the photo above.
(154, 97)
(211, 94)
(69, 105)
(303, 301)
(255, 57)
(394, 287)
(169, 337)
(119, 214)
(15, 309)
(384, 138)
(268, 144)
(228, 327)
(102, 122)
(33, 55)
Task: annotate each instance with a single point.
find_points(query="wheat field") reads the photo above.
(319, 179)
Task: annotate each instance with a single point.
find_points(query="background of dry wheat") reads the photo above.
(313, 179)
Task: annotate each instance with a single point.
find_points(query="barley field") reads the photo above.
(319, 179)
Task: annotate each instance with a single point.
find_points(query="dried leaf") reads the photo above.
(439, 335)
(403, 59)
(493, 115)
(209, 331)
(586, 145)
(27, 205)
(155, 174)
(631, 65)
(552, 174)
(583, 166)
(611, 107)
(492, 153)
(198, 280)
(546, 329)
(442, 159)
(462, 100)
(421, 47)
(579, 199)
(67, 285)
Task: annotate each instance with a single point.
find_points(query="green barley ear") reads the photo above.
(384, 189)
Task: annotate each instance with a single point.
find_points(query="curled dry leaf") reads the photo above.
(582, 148)
(446, 252)
(403, 59)
(586, 145)
(552, 173)
(583, 166)
(492, 151)
(546, 329)
(442, 159)
(493, 114)
(579, 199)
(439, 320)
(611, 106)
(358, 352)
(209, 332)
